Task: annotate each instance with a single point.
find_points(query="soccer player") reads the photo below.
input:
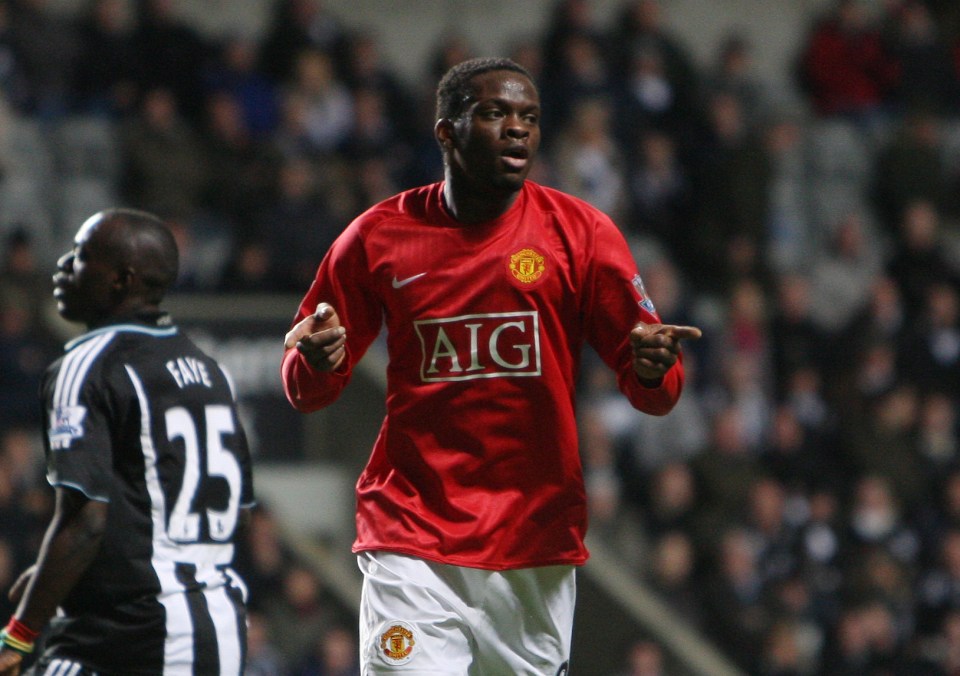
(151, 470)
(471, 511)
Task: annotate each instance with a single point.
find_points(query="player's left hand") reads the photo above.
(656, 348)
(10, 662)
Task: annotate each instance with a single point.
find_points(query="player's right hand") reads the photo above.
(10, 661)
(320, 338)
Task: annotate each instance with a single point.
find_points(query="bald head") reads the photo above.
(150, 250)
(123, 262)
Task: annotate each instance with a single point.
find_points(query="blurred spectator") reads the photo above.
(298, 225)
(939, 588)
(781, 654)
(795, 641)
(588, 159)
(373, 134)
(734, 599)
(368, 69)
(794, 455)
(774, 536)
(335, 654)
(204, 241)
(845, 273)
(296, 25)
(944, 648)
(575, 66)
(234, 71)
(731, 177)
(328, 103)
(22, 282)
(165, 169)
(46, 47)
(650, 100)
(918, 260)
(659, 72)
(13, 84)
(844, 67)
(301, 613)
(806, 397)
(821, 539)
(796, 340)
(733, 72)
(848, 652)
(876, 521)
(909, 169)
(645, 658)
(107, 62)
(921, 50)
(262, 656)
(671, 501)
(248, 269)
(565, 18)
(672, 573)
(937, 516)
(658, 192)
(292, 137)
(789, 236)
(724, 472)
(884, 319)
(240, 166)
(930, 357)
(25, 499)
(25, 352)
(939, 435)
(263, 557)
(172, 55)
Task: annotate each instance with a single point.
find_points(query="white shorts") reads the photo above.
(432, 619)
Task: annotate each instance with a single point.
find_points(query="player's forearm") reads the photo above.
(70, 545)
(658, 400)
(306, 388)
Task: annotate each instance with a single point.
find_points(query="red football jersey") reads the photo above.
(477, 461)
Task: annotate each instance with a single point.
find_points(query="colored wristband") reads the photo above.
(18, 636)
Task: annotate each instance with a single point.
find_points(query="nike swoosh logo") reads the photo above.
(397, 283)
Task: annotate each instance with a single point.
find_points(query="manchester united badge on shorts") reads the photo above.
(526, 267)
(397, 643)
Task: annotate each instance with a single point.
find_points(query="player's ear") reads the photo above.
(123, 279)
(445, 133)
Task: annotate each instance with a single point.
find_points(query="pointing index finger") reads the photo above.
(681, 332)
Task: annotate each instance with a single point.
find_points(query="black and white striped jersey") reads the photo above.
(138, 416)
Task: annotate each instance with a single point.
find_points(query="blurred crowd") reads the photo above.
(800, 507)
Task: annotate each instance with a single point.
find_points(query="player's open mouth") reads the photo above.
(516, 157)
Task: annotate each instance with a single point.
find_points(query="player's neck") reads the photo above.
(469, 206)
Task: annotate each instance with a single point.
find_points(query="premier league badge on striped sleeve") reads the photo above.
(643, 299)
(66, 424)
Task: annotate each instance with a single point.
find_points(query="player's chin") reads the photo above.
(511, 181)
(68, 310)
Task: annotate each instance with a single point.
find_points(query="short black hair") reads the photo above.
(454, 89)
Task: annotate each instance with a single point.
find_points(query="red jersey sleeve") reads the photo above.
(615, 301)
(339, 282)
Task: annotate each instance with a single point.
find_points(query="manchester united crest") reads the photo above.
(527, 265)
(397, 643)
